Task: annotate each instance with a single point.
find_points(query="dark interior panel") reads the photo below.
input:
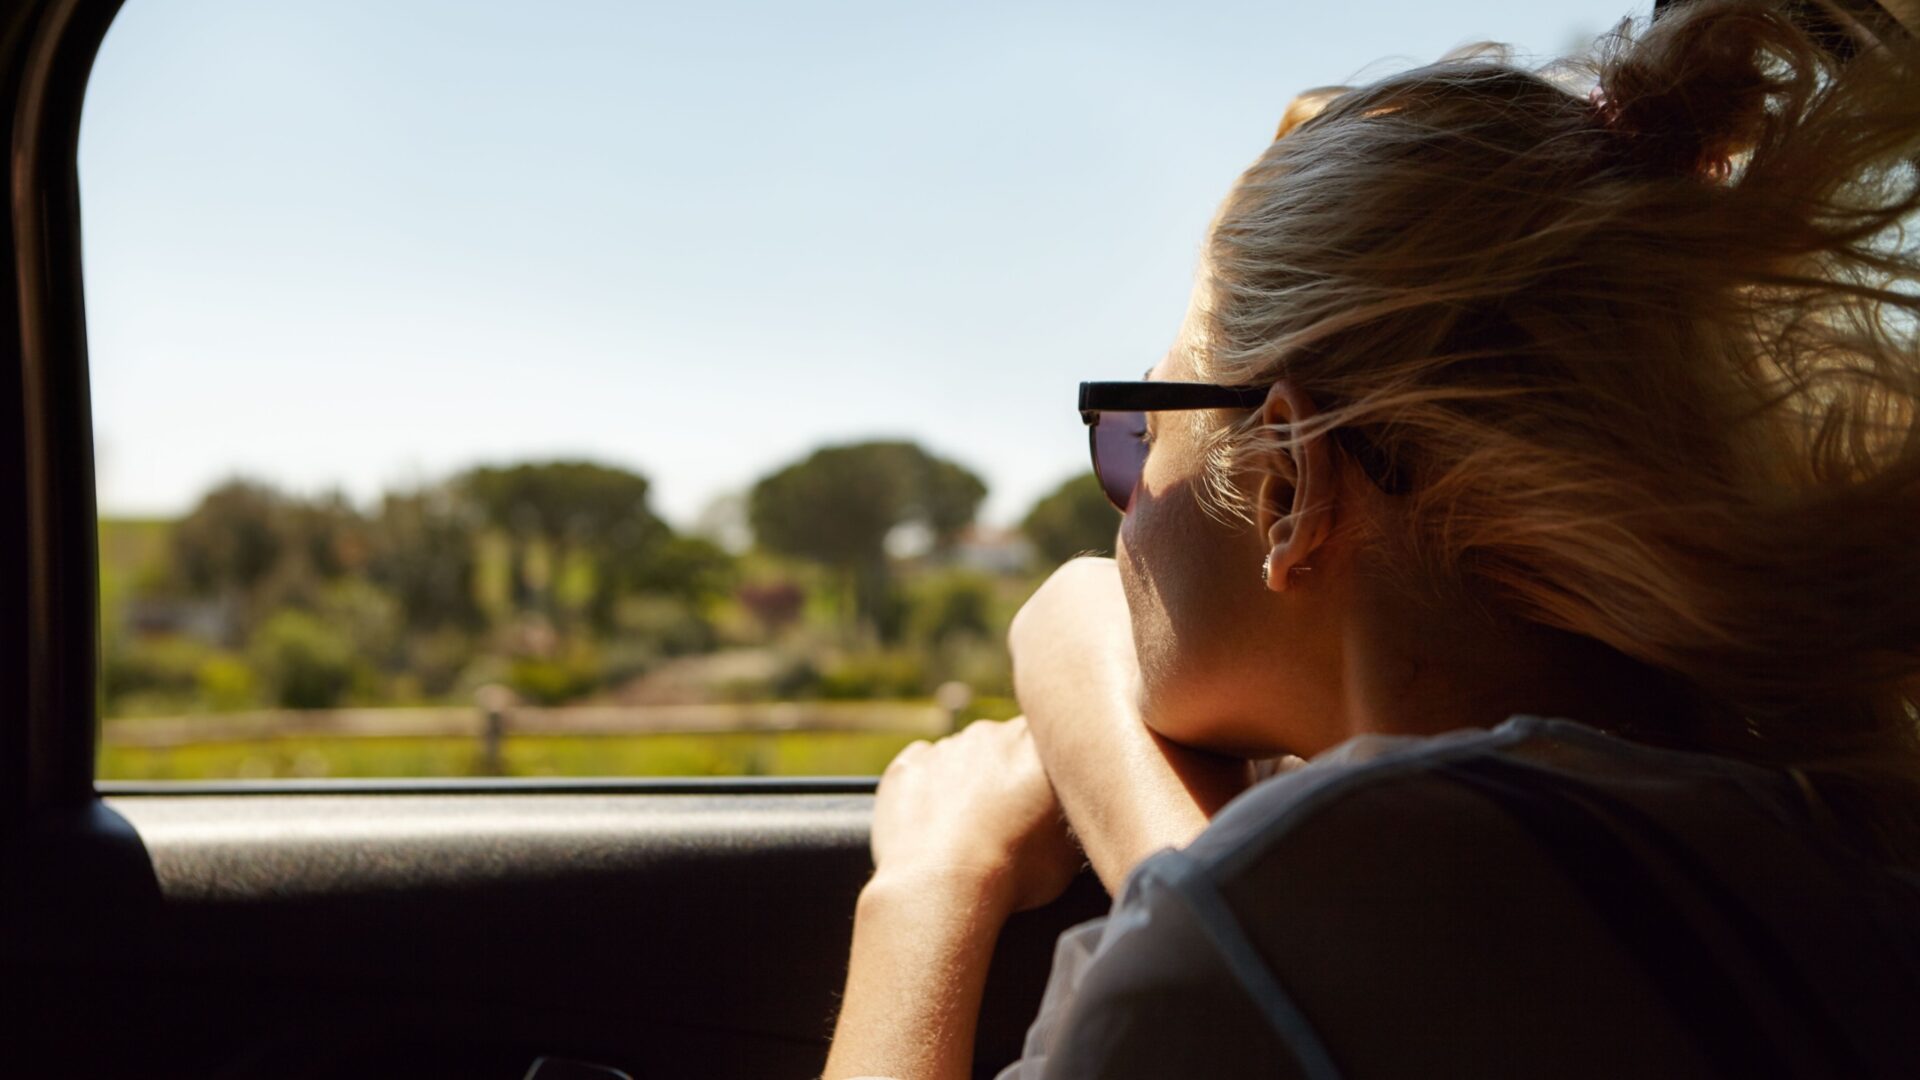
(466, 934)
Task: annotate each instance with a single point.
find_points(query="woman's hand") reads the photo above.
(965, 831)
(974, 812)
(1128, 791)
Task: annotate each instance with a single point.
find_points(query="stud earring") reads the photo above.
(1266, 569)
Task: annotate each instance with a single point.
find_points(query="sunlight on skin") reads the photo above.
(1194, 600)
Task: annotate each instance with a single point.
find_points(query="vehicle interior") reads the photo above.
(333, 928)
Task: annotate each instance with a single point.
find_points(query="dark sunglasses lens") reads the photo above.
(1120, 454)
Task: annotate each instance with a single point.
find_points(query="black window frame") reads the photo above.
(49, 589)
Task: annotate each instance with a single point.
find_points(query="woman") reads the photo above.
(1553, 483)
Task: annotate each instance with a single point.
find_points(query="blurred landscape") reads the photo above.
(539, 618)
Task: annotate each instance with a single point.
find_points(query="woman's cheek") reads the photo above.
(1171, 557)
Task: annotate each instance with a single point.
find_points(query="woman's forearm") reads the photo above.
(920, 954)
(1127, 791)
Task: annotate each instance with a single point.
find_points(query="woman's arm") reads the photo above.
(919, 964)
(965, 832)
(1127, 791)
(968, 829)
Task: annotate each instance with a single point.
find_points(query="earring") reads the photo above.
(1266, 569)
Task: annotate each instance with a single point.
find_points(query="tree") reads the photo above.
(578, 503)
(689, 568)
(258, 550)
(684, 574)
(423, 550)
(231, 540)
(327, 533)
(1074, 519)
(571, 508)
(838, 506)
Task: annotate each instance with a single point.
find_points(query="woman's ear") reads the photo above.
(1294, 509)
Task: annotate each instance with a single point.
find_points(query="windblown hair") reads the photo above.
(1640, 331)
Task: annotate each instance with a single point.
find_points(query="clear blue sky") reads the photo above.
(356, 244)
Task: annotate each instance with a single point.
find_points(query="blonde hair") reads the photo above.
(1646, 357)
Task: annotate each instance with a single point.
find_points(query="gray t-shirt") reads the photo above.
(1541, 899)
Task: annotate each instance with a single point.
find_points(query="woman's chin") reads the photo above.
(1214, 736)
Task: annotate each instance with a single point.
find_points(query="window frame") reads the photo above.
(48, 550)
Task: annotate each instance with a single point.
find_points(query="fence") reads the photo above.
(494, 717)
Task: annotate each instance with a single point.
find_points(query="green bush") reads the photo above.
(368, 618)
(167, 666)
(438, 659)
(875, 675)
(671, 626)
(988, 708)
(982, 664)
(952, 605)
(306, 663)
(551, 681)
(226, 683)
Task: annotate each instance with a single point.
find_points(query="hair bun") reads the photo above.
(1691, 93)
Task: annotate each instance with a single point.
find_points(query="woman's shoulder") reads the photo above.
(1541, 852)
(1468, 786)
(1382, 882)
(1626, 887)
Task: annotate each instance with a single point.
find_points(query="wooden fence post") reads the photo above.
(495, 701)
(953, 699)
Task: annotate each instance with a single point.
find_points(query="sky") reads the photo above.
(361, 244)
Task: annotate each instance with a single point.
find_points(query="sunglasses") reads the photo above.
(1116, 418)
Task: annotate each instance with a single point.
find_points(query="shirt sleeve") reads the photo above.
(1146, 993)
